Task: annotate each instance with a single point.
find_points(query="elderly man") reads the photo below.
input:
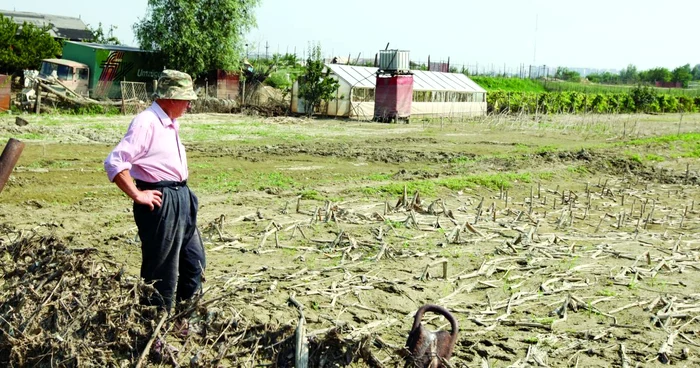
(165, 210)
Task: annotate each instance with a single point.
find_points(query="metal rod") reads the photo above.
(8, 160)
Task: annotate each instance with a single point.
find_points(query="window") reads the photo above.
(63, 72)
(362, 95)
(82, 74)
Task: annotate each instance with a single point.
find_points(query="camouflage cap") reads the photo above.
(175, 85)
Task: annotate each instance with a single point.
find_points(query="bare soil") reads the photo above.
(555, 242)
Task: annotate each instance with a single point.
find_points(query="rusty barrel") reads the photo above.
(8, 160)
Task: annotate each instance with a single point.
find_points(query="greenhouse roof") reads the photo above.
(365, 77)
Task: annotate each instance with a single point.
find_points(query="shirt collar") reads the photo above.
(162, 116)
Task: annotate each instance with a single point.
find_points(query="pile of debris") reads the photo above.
(73, 307)
(44, 93)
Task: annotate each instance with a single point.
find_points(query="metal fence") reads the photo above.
(266, 52)
(134, 97)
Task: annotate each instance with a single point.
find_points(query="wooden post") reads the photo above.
(37, 103)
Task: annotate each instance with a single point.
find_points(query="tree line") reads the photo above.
(631, 75)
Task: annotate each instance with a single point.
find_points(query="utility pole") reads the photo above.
(534, 56)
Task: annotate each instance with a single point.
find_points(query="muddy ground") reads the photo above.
(560, 241)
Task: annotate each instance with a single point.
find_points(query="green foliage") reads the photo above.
(23, 47)
(629, 74)
(644, 99)
(508, 84)
(316, 85)
(605, 78)
(682, 74)
(106, 38)
(567, 75)
(196, 36)
(656, 75)
(633, 100)
(279, 80)
(696, 72)
(416, 66)
(311, 195)
(491, 181)
(425, 187)
(96, 110)
(275, 180)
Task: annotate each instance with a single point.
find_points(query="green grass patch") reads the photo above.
(31, 136)
(200, 166)
(378, 177)
(50, 164)
(429, 187)
(635, 157)
(221, 182)
(578, 169)
(686, 145)
(654, 158)
(685, 137)
(311, 195)
(606, 292)
(491, 181)
(274, 180)
(508, 84)
(695, 153)
(425, 187)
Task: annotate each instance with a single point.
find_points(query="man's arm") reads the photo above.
(151, 198)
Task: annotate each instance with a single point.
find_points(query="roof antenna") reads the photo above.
(387, 46)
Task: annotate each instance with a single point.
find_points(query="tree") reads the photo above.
(567, 75)
(696, 72)
(23, 47)
(682, 74)
(196, 36)
(629, 75)
(315, 85)
(657, 75)
(99, 35)
(644, 98)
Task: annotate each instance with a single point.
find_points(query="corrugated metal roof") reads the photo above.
(365, 77)
(70, 63)
(107, 47)
(63, 27)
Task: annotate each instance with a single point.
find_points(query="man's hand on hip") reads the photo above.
(150, 198)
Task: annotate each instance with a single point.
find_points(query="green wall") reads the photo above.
(109, 65)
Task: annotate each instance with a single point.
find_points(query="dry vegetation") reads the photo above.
(566, 241)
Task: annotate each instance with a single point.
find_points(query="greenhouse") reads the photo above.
(434, 94)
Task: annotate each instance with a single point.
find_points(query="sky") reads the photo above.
(493, 34)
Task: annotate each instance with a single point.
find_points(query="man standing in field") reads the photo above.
(165, 210)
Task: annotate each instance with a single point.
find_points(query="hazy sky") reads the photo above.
(591, 33)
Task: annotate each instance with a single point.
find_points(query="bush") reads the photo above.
(280, 80)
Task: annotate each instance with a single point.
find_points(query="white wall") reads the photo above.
(448, 108)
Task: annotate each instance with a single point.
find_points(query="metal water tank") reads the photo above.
(394, 60)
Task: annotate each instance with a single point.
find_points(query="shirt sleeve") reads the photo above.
(133, 146)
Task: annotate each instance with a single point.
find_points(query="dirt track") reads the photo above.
(548, 248)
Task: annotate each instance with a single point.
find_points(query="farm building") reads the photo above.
(63, 27)
(434, 94)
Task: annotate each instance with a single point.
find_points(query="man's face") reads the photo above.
(175, 108)
(180, 107)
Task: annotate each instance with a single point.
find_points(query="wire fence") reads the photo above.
(265, 51)
(546, 73)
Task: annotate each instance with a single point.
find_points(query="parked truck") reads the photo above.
(97, 70)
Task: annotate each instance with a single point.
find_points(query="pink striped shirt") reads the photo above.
(151, 149)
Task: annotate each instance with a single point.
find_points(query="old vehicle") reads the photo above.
(71, 74)
(97, 69)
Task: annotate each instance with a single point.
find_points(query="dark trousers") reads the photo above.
(171, 245)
